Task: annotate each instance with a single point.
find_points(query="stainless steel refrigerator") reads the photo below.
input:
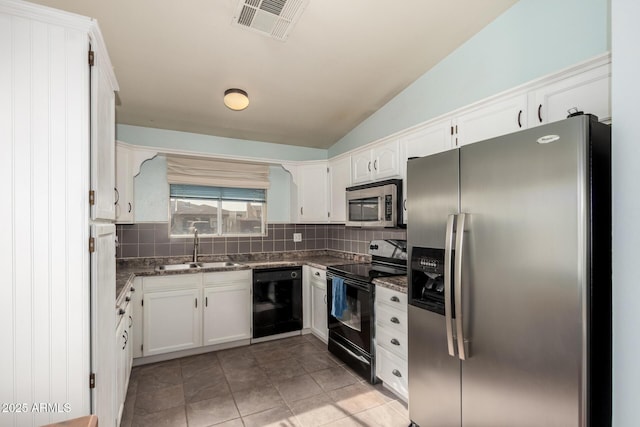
(510, 280)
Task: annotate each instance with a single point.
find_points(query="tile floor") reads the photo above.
(289, 382)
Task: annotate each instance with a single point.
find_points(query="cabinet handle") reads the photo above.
(540, 113)
(125, 341)
(375, 164)
(130, 321)
(395, 299)
(519, 119)
(369, 166)
(196, 302)
(404, 204)
(317, 274)
(127, 299)
(206, 301)
(395, 341)
(396, 373)
(395, 320)
(301, 210)
(120, 311)
(133, 289)
(325, 299)
(130, 207)
(117, 195)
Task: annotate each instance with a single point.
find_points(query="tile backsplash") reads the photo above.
(152, 240)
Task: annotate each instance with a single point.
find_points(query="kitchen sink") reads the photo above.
(195, 266)
(217, 264)
(175, 267)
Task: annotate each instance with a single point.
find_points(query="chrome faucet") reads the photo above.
(196, 243)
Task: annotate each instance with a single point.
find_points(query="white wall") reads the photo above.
(626, 211)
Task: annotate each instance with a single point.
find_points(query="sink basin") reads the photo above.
(217, 264)
(195, 266)
(174, 267)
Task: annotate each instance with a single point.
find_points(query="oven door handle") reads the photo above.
(351, 353)
(348, 282)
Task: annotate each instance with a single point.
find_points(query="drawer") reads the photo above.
(393, 298)
(172, 282)
(392, 371)
(392, 340)
(318, 274)
(222, 278)
(391, 317)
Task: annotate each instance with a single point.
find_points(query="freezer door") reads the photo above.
(523, 277)
(434, 375)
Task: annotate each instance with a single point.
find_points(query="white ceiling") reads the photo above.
(342, 61)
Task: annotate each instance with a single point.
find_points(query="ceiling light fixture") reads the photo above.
(236, 99)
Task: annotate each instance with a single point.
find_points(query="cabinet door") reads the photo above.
(306, 296)
(103, 320)
(339, 179)
(124, 185)
(172, 321)
(361, 167)
(386, 160)
(227, 313)
(136, 311)
(589, 92)
(312, 193)
(103, 171)
(120, 375)
(499, 118)
(319, 311)
(433, 139)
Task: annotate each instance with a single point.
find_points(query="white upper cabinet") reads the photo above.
(589, 92)
(491, 120)
(376, 163)
(312, 193)
(434, 138)
(124, 184)
(339, 180)
(103, 173)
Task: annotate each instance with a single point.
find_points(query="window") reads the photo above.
(216, 211)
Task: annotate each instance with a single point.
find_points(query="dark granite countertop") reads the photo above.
(127, 269)
(395, 283)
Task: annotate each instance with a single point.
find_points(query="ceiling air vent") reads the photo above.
(274, 18)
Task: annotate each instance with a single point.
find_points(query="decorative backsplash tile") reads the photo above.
(152, 240)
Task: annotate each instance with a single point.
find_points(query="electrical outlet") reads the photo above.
(297, 237)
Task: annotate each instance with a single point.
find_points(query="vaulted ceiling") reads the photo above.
(341, 61)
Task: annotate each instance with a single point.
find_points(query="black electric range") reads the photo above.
(350, 297)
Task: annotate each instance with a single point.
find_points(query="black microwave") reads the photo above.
(378, 204)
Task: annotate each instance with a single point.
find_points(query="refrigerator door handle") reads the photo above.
(463, 350)
(448, 246)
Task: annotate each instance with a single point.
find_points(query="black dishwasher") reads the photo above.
(277, 301)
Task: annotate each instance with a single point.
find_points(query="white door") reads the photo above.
(312, 193)
(319, 311)
(489, 121)
(339, 179)
(172, 321)
(103, 321)
(227, 313)
(103, 180)
(423, 142)
(386, 162)
(589, 92)
(361, 167)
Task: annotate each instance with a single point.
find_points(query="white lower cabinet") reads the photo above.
(391, 340)
(186, 311)
(317, 285)
(227, 307)
(172, 313)
(123, 353)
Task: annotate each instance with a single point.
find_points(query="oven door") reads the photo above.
(354, 323)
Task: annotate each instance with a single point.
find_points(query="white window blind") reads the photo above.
(216, 173)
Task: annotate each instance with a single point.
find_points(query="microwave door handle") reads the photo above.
(448, 246)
